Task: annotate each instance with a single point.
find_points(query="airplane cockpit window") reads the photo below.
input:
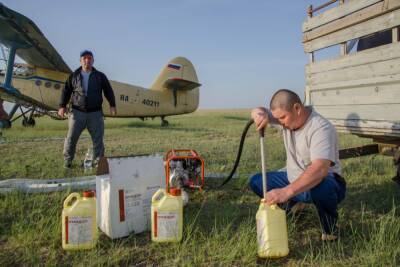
(23, 70)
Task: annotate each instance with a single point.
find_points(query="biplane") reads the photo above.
(37, 84)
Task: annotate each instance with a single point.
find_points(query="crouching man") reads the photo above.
(312, 164)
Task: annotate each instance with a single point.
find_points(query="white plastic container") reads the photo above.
(167, 216)
(79, 227)
(124, 188)
(88, 161)
(272, 237)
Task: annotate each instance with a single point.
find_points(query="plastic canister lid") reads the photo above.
(88, 194)
(175, 191)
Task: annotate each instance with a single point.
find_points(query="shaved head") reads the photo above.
(284, 99)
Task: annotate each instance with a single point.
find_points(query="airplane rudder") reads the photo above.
(187, 69)
(178, 67)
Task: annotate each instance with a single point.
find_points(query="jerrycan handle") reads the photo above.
(158, 195)
(69, 198)
(275, 207)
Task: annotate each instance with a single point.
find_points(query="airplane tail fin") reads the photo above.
(179, 74)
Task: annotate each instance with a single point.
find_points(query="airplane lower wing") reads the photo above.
(28, 102)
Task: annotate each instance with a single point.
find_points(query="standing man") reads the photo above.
(312, 160)
(86, 86)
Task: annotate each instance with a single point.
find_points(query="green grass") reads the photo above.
(219, 225)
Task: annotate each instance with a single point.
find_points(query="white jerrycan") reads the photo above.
(79, 225)
(167, 216)
(272, 237)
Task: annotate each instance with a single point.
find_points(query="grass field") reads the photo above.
(219, 225)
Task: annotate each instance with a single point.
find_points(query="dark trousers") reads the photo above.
(79, 121)
(325, 196)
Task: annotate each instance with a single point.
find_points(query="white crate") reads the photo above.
(124, 187)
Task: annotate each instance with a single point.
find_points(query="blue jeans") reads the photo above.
(325, 196)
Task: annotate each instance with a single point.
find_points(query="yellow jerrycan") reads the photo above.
(272, 237)
(271, 231)
(79, 225)
(167, 215)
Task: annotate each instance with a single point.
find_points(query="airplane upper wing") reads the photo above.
(35, 49)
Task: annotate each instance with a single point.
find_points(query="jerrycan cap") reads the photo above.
(175, 191)
(88, 194)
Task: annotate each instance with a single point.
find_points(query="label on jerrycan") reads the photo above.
(78, 230)
(166, 224)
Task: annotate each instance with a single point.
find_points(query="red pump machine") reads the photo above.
(184, 168)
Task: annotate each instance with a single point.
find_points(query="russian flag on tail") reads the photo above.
(174, 66)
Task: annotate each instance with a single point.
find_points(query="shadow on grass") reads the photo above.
(237, 118)
(377, 198)
(171, 127)
(221, 214)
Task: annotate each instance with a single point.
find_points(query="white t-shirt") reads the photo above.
(316, 139)
(85, 80)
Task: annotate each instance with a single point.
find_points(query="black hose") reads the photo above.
(239, 154)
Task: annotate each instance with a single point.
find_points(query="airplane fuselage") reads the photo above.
(45, 86)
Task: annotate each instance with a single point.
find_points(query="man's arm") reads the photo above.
(65, 96)
(312, 176)
(109, 94)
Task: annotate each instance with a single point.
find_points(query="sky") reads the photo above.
(242, 50)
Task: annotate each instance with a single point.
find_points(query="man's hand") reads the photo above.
(260, 117)
(113, 111)
(61, 112)
(279, 195)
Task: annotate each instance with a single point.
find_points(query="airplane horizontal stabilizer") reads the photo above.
(180, 84)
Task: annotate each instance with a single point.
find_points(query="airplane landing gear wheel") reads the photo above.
(164, 123)
(28, 122)
(5, 124)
